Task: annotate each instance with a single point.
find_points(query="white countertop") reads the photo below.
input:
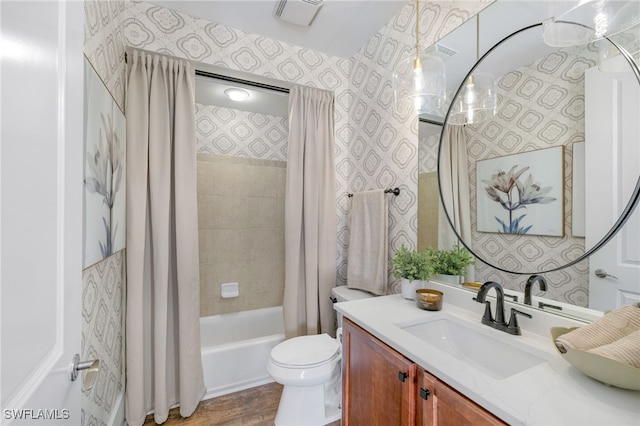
(550, 393)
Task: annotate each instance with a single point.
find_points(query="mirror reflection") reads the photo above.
(537, 194)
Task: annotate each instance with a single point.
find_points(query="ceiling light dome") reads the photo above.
(237, 94)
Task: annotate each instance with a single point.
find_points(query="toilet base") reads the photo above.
(310, 405)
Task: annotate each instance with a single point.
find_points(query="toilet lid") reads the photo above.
(305, 350)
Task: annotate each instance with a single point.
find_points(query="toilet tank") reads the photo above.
(345, 294)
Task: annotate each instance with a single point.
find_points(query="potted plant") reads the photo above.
(410, 267)
(447, 263)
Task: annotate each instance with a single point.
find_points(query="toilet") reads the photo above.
(310, 369)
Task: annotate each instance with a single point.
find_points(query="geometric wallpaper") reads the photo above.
(102, 338)
(375, 146)
(383, 142)
(226, 131)
(540, 106)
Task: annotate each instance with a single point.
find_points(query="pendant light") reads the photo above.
(610, 51)
(419, 81)
(476, 101)
(595, 19)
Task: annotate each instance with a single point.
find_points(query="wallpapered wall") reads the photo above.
(226, 131)
(374, 147)
(383, 144)
(540, 106)
(103, 284)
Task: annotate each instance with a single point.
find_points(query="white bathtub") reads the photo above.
(236, 348)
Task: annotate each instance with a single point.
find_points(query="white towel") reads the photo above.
(367, 266)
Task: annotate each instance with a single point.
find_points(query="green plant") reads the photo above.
(411, 264)
(450, 262)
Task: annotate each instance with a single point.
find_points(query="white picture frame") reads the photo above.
(104, 171)
(536, 176)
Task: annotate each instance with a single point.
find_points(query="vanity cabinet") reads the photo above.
(382, 387)
(440, 404)
(379, 385)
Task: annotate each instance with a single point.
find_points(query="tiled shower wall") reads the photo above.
(241, 231)
(103, 284)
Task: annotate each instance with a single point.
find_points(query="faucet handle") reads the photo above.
(487, 318)
(513, 327)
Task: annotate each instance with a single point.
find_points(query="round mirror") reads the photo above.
(531, 189)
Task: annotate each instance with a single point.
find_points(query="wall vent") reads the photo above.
(444, 51)
(298, 12)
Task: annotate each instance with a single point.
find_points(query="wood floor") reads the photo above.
(252, 407)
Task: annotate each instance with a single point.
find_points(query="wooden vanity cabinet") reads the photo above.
(441, 405)
(380, 387)
(378, 384)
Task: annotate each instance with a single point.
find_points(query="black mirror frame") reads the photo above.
(624, 216)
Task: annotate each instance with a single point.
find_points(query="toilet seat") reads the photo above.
(305, 351)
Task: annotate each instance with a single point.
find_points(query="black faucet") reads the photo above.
(487, 318)
(498, 323)
(527, 288)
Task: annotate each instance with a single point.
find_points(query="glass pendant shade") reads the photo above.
(419, 83)
(573, 23)
(476, 101)
(610, 57)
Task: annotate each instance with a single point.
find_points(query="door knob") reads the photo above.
(92, 368)
(601, 273)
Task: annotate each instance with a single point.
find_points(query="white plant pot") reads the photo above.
(409, 288)
(448, 279)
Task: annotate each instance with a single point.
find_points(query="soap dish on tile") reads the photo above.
(605, 370)
(428, 299)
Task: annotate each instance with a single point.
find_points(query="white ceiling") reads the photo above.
(341, 28)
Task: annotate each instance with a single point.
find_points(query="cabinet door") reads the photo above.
(446, 407)
(379, 384)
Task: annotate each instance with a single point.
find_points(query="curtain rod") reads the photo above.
(234, 79)
(426, 120)
(242, 81)
(394, 191)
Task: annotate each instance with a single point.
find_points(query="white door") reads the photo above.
(41, 162)
(612, 132)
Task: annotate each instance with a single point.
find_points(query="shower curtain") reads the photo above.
(454, 181)
(164, 365)
(310, 214)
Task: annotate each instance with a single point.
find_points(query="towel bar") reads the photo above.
(394, 191)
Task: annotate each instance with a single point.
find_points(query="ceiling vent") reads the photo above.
(298, 12)
(443, 52)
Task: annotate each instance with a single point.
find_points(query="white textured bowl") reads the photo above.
(605, 370)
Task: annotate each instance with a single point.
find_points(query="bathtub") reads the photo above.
(236, 348)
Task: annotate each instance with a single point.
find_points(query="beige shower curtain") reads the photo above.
(454, 180)
(163, 358)
(310, 213)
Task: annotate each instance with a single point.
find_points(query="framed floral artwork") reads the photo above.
(522, 193)
(104, 171)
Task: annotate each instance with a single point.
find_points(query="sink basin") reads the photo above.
(475, 346)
